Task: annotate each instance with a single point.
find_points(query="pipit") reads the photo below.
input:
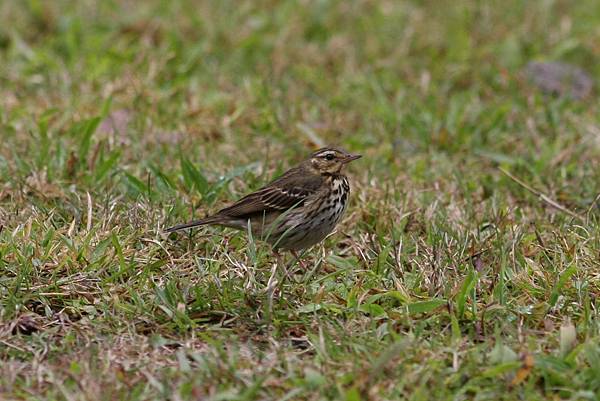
(295, 211)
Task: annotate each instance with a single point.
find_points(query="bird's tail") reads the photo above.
(196, 223)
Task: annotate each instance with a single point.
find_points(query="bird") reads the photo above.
(296, 210)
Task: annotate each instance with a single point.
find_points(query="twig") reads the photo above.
(542, 196)
(589, 210)
(12, 346)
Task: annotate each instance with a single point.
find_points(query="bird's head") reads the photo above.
(329, 161)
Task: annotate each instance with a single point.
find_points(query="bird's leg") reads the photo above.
(281, 264)
(284, 271)
(303, 265)
(275, 284)
(313, 271)
(272, 284)
(298, 260)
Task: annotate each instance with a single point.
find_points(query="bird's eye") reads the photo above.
(329, 156)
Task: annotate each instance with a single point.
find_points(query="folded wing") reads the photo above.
(288, 191)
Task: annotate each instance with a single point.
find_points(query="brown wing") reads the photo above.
(290, 190)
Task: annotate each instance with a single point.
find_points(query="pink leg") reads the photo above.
(275, 285)
(300, 261)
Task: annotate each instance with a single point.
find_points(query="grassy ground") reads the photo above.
(468, 264)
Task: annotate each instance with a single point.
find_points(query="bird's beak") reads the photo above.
(349, 158)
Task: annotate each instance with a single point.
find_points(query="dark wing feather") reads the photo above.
(290, 190)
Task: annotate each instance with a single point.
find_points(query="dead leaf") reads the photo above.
(525, 369)
(24, 324)
(38, 184)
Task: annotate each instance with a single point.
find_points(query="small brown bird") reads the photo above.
(295, 211)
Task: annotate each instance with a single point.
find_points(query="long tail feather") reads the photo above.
(196, 223)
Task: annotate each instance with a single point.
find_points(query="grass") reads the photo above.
(466, 268)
